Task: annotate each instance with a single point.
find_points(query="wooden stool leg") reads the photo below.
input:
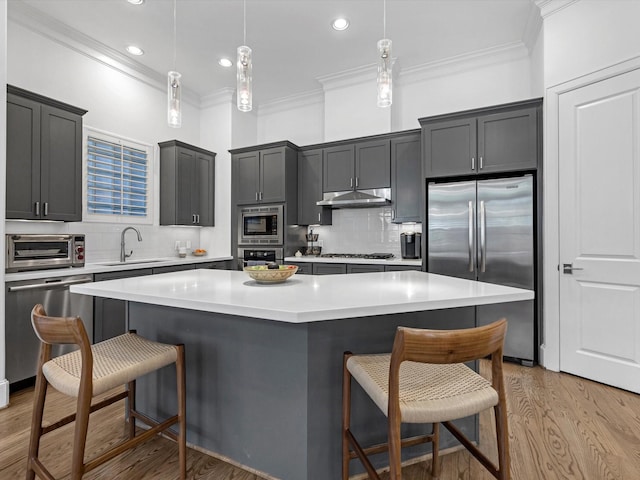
(131, 407)
(40, 394)
(182, 411)
(502, 435)
(346, 415)
(435, 449)
(80, 432)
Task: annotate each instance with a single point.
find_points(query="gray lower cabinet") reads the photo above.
(110, 315)
(497, 139)
(187, 180)
(329, 268)
(402, 268)
(44, 158)
(218, 265)
(310, 189)
(173, 268)
(406, 178)
(304, 268)
(360, 268)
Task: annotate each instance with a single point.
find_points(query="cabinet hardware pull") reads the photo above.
(260, 195)
(46, 208)
(473, 163)
(470, 236)
(569, 268)
(256, 196)
(319, 216)
(37, 209)
(480, 163)
(351, 182)
(198, 219)
(356, 182)
(393, 214)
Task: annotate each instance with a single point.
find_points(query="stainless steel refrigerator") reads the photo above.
(484, 230)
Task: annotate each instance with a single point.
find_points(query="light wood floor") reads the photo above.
(561, 427)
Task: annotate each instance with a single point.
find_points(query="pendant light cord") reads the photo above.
(244, 21)
(174, 34)
(384, 18)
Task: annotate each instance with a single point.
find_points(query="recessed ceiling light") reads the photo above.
(340, 24)
(133, 50)
(225, 62)
(136, 2)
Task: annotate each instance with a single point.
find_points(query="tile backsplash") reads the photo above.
(103, 239)
(362, 230)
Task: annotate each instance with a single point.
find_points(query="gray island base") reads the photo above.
(266, 393)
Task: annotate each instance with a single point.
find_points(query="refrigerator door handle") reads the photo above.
(483, 237)
(470, 236)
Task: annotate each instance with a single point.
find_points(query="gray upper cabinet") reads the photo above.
(406, 178)
(489, 140)
(263, 175)
(44, 158)
(187, 179)
(361, 165)
(310, 189)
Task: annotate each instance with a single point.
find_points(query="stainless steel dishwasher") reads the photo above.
(22, 345)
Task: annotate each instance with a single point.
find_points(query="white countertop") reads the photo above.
(111, 266)
(367, 261)
(304, 298)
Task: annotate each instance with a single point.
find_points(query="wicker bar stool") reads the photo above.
(91, 371)
(433, 386)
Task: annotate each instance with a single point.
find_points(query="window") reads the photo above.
(117, 178)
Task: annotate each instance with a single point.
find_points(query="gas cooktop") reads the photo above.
(373, 256)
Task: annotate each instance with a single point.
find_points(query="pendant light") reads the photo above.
(244, 70)
(385, 90)
(174, 89)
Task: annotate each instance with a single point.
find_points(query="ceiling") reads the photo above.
(292, 41)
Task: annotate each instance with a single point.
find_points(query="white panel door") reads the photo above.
(599, 172)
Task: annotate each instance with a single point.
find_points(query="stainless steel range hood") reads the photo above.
(357, 198)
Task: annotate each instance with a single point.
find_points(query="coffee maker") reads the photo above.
(410, 244)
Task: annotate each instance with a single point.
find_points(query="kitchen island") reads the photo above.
(264, 361)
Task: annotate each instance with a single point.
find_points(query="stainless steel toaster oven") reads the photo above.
(38, 252)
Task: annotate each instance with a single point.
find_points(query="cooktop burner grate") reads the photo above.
(372, 256)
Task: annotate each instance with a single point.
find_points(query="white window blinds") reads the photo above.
(117, 178)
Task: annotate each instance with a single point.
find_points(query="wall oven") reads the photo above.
(259, 256)
(38, 252)
(260, 225)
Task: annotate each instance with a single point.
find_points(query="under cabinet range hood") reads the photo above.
(356, 198)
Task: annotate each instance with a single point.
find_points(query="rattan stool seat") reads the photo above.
(116, 362)
(428, 392)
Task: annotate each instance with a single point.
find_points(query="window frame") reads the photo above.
(148, 219)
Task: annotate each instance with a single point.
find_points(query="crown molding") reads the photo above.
(47, 26)
(464, 62)
(354, 76)
(533, 27)
(219, 97)
(549, 7)
(299, 100)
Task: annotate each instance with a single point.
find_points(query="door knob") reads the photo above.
(568, 268)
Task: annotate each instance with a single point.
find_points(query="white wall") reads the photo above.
(299, 120)
(589, 35)
(4, 385)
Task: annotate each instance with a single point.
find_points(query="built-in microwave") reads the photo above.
(261, 225)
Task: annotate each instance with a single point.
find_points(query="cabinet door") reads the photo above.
(373, 164)
(338, 168)
(304, 268)
(186, 186)
(173, 268)
(508, 141)
(61, 165)
(402, 268)
(203, 200)
(357, 268)
(310, 189)
(247, 180)
(406, 179)
(329, 268)
(110, 315)
(272, 175)
(23, 157)
(450, 148)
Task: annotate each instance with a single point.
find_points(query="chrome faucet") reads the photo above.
(123, 255)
